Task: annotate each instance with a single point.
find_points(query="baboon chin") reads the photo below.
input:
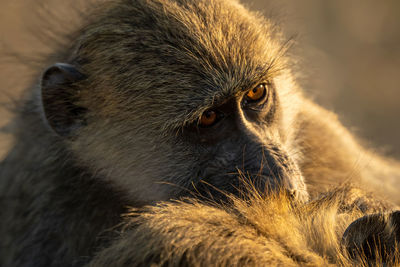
(160, 100)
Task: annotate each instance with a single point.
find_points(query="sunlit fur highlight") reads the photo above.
(254, 231)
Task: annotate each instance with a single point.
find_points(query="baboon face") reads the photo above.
(167, 97)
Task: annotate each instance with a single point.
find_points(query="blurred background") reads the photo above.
(350, 51)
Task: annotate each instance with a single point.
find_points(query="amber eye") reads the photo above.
(257, 93)
(208, 118)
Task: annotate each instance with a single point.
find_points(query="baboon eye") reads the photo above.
(208, 118)
(257, 93)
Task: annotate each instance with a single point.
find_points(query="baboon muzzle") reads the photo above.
(269, 172)
(283, 174)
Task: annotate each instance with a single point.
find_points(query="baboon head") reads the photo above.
(165, 97)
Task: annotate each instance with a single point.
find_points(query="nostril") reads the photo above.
(292, 193)
(298, 195)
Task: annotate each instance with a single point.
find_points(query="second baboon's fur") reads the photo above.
(115, 121)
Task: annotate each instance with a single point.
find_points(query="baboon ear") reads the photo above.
(60, 96)
(375, 238)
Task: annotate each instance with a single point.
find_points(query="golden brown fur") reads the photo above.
(334, 156)
(258, 231)
(116, 125)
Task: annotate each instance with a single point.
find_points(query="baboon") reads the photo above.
(155, 100)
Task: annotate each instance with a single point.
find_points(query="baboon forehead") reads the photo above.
(201, 50)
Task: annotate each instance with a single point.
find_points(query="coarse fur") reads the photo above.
(257, 231)
(116, 125)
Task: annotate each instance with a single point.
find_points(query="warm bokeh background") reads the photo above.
(350, 50)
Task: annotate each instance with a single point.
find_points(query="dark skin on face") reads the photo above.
(238, 123)
(257, 96)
